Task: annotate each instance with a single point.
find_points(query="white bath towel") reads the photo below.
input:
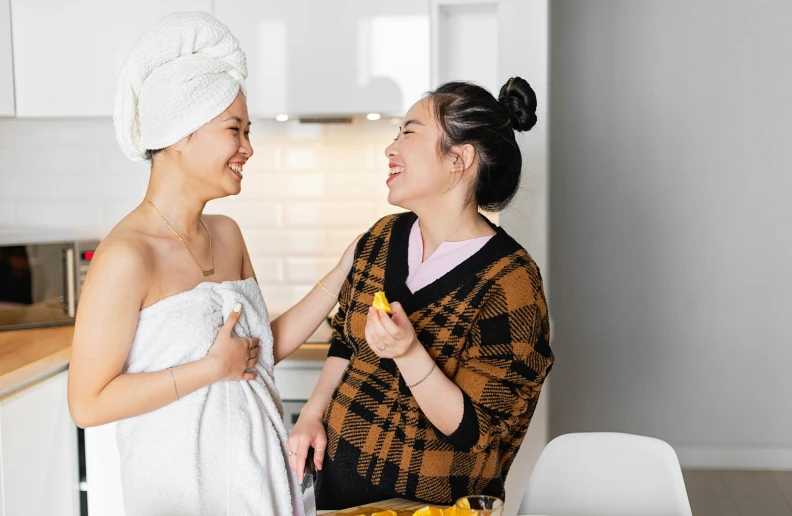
(183, 72)
(222, 449)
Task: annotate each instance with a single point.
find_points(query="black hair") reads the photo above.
(469, 114)
(152, 152)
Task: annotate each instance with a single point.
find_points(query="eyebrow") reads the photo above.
(239, 120)
(408, 122)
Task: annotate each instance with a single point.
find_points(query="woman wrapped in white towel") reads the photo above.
(172, 337)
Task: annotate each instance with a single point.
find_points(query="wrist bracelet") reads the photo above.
(323, 288)
(173, 379)
(425, 377)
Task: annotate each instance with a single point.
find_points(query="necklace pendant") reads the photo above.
(209, 272)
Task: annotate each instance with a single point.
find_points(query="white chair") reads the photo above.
(607, 474)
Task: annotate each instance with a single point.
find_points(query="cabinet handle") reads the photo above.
(70, 284)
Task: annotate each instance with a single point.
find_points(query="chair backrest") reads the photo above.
(613, 474)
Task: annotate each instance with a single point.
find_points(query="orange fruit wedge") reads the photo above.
(450, 511)
(381, 302)
(385, 513)
(429, 511)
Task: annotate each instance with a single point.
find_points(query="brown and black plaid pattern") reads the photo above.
(486, 326)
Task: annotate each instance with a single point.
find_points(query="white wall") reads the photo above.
(308, 190)
(670, 224)
(522, 51)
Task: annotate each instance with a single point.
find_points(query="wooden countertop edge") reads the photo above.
(33, 372)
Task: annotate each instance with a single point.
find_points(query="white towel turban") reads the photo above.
(184, 71)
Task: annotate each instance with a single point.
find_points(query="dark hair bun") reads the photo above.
(520, 100)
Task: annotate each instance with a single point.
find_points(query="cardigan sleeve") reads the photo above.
(505, 363)
(339, 346)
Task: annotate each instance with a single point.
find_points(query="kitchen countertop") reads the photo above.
(28, 356)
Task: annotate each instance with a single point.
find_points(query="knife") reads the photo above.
(308, 483)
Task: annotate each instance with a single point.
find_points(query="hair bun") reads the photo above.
(519, 99)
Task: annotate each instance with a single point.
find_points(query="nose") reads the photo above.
(245, 147)
(392, 150)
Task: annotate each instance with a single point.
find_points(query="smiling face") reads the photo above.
(418, 173)
(214, 155)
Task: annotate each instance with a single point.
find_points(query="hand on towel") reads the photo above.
(233, 357)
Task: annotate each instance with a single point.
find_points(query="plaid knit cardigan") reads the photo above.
(485, 323)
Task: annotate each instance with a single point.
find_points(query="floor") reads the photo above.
(739, 493)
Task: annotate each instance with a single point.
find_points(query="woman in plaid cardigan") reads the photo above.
(433, 402)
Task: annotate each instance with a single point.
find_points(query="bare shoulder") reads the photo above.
(125, 250)
(224, 228)
(221, 223)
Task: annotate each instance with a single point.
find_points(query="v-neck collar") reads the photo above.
(463, 275)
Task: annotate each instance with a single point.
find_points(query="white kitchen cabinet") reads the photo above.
(67, 55)
(6, 61)
(313, 57)
(38, 451)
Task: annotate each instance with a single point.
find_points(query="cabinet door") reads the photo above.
(67, 54)
(38, 451)
(6, 63)
(318, 57)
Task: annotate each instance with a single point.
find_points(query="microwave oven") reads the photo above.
(41, 280)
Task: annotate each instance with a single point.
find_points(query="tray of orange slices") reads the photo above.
(395, 507)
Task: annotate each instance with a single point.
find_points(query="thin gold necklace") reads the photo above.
(208, 272)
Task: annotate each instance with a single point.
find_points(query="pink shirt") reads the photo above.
(445, 258)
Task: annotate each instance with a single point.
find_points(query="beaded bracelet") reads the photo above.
(323, 288)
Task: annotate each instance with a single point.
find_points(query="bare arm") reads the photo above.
(99, 392)
(291, 329)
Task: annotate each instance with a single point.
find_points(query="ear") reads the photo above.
(462, 157)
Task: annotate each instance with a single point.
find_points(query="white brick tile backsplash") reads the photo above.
(308, 191)
(39, 134)
(320, 214)
(268, 270)
(114, 211)
(249, 214)
(280, 298)
(286, 242)
(266, 158)
(344, 157)
(339, 240)
(367, 185)
(58, 214)
(300, 158)
(23, 186)
(112, 185)
(308, 270)
(384, 208)
(284, 185)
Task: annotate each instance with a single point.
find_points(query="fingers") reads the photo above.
(388, 325)
(233, 318)
(249, 376)
(320, 445)
(291, 444)
(300, 454)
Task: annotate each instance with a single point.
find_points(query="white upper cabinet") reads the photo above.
(314, 57)
(6, 62)
(67, 54)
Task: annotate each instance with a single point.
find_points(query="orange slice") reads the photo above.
(450, 511)
(429, 511)
(385, 513)
(381, 303)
